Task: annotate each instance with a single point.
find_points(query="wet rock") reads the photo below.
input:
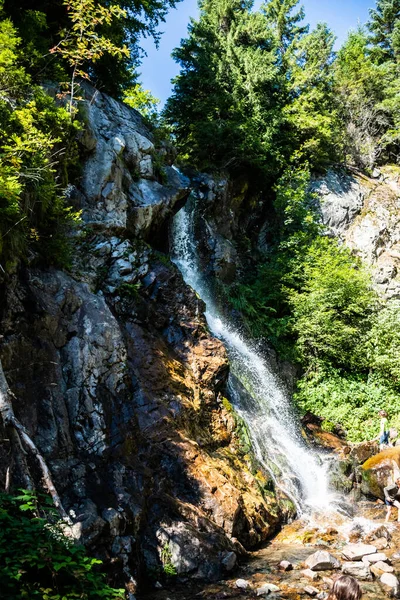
(354, 552)
(313, 575)
(311, 591)
(322, 561)
(267, 588)
(242, 584)
(285, 565)
(229, 561)
(381, 567)
(359, 453)
(357, 569)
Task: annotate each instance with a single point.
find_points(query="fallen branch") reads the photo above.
(21, 438)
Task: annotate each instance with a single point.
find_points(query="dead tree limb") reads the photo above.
(21, 438)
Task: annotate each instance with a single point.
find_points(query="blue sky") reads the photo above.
(158, 67)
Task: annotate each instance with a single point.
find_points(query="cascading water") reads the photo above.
(255, 390)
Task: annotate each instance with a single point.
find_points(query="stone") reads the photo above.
(229, 561)
(313, 575)
(322, 596)
(390, 580)
(381, 567)
(328, 581)
(357, 551)
(374, 558)
(381, 543)
(377, 472)
(322, 561)
(311, 591)
(285, 565)
(357, 569)
(267, 588)
(242, 584)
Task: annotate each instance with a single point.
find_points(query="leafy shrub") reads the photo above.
(36, 150)
(38, 562)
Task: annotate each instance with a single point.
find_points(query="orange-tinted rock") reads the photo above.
(378, 471)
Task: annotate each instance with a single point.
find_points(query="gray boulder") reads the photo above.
(322, 561)
(357, 551)
(357, 569)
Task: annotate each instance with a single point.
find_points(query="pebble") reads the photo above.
(242, 584)
(267, 588)
(313, 575)
(311, 591)
(285, 565)
(328, 581)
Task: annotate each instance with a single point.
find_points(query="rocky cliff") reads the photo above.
(364, 213)
(119, 382)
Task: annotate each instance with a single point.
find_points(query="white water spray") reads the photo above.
(255, 390)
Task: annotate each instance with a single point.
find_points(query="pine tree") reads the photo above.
(224, 108)
(384, 26)
(285, 22)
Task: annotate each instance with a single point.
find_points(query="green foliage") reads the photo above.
(332, 306)
(385, 30)
(367, 82)
(37, 561)
(81, 44)
(255, 90)
(142, 100)
(39, 23)
(351, 399)
(36, 150)
(166, 559)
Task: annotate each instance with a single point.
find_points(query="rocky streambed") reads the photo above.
(306, 557)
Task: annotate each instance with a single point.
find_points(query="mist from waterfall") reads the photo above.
(255, 390)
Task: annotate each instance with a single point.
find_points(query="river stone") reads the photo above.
(267, 588)
(285, 565)
(357, 551)
(311, 591)
(374, 558)
(322, 561)
(242, 584)
(381, 543)
(381, 567)
(356, 569)
(313, 575)
(390, 580)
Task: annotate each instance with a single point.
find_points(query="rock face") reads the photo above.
(123, 188)
(120, 383)
(365, 214)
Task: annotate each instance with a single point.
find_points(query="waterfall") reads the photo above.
(255, 390)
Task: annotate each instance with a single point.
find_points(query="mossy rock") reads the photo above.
(379, 471)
